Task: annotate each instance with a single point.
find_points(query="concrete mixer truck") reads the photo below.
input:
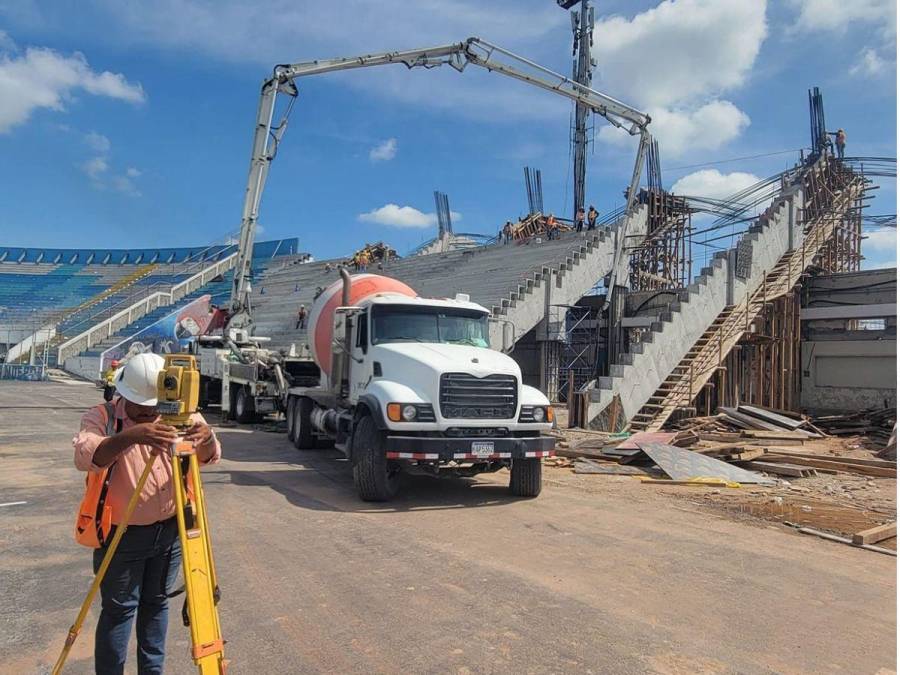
(410, 384)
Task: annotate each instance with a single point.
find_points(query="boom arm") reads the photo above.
(458, 55)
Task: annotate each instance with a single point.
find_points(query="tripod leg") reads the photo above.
(199, 572)
(101, 572)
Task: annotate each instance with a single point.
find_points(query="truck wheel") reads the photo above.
(289, 417)
(525, 477)
(303, 433)
(376, 479)
(244, 410)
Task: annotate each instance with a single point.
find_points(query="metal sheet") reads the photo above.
(681, 464)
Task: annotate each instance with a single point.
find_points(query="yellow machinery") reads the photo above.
(178, 393)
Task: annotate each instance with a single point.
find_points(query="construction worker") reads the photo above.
(145, 566)
(108, 387)
(592, 217)
(579, 219)
(363, 261)
(301, 318)
(552, 227)
(507, 232)
(840, 140)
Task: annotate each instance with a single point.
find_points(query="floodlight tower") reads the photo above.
(582, 72)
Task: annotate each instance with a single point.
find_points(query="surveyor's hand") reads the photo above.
(199, 434)
(158, 435)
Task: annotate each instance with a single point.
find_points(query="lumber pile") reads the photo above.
(876, 423)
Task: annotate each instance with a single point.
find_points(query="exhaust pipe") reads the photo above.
(344, 382)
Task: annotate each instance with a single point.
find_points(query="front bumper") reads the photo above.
(468, 449)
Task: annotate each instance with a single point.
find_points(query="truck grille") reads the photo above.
(465, 396)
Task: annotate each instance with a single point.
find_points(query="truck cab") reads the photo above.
(415, 386)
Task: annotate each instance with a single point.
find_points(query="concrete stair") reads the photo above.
(688, 341)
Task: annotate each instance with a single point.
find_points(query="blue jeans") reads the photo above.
(140, 575)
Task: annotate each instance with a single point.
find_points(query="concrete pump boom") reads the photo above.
(457, 55)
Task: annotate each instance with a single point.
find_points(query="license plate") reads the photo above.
(482, 448)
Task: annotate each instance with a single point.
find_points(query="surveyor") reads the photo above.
(592, 217)
(145, 565)
(301, 318)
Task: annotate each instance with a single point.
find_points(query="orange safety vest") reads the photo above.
(93, 521)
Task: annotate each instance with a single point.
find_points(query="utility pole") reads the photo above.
(582, 72)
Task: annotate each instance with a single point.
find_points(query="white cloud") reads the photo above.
(403, 217)
(95, 167)
(679, 131)
(883, 240)
(384, 152)
(680, 50)
(713, 184)
(98, 168)
(691, 51)
(98, 142)
(837, 15)
(869, 64)
(43, 78)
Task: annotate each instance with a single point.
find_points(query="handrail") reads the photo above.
(104, 329)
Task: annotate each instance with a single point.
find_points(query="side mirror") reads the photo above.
(507, 333)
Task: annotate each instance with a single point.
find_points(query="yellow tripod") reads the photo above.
(178, 385)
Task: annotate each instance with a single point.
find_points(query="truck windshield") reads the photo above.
(423, 324)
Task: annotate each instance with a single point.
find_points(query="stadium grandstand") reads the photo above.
(86, 300)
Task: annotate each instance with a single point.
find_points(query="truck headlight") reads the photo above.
(410, 412)
(536, 414)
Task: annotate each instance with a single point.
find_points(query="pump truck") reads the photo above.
(411, 384)
(236, 366)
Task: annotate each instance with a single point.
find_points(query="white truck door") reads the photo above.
(360, 364)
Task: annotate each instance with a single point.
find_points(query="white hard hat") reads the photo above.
(136, 380)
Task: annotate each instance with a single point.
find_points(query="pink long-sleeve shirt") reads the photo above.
(157, 501)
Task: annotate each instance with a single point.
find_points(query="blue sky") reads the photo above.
(129, 124)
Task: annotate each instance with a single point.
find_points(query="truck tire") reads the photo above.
(375, 478)
(289, 417)
(244, 409)
(525, 477)
(303, 433)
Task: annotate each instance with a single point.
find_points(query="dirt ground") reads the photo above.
(597, 575)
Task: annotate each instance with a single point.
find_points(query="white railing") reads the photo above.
(113, 324)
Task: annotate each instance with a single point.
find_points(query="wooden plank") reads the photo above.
(781, 469)
(746, 455)
(875, 534)
(884, 463)
(878, 471)
(844, 540)
(785, 434)
(770, 416)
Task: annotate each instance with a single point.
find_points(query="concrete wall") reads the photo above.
(846, 368)
(848, 375)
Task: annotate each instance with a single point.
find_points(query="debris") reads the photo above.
(681, 464)
(782, 469)
(876, 534)
(842, 540)
(837, 464)
(588, 466)
(700, 481)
